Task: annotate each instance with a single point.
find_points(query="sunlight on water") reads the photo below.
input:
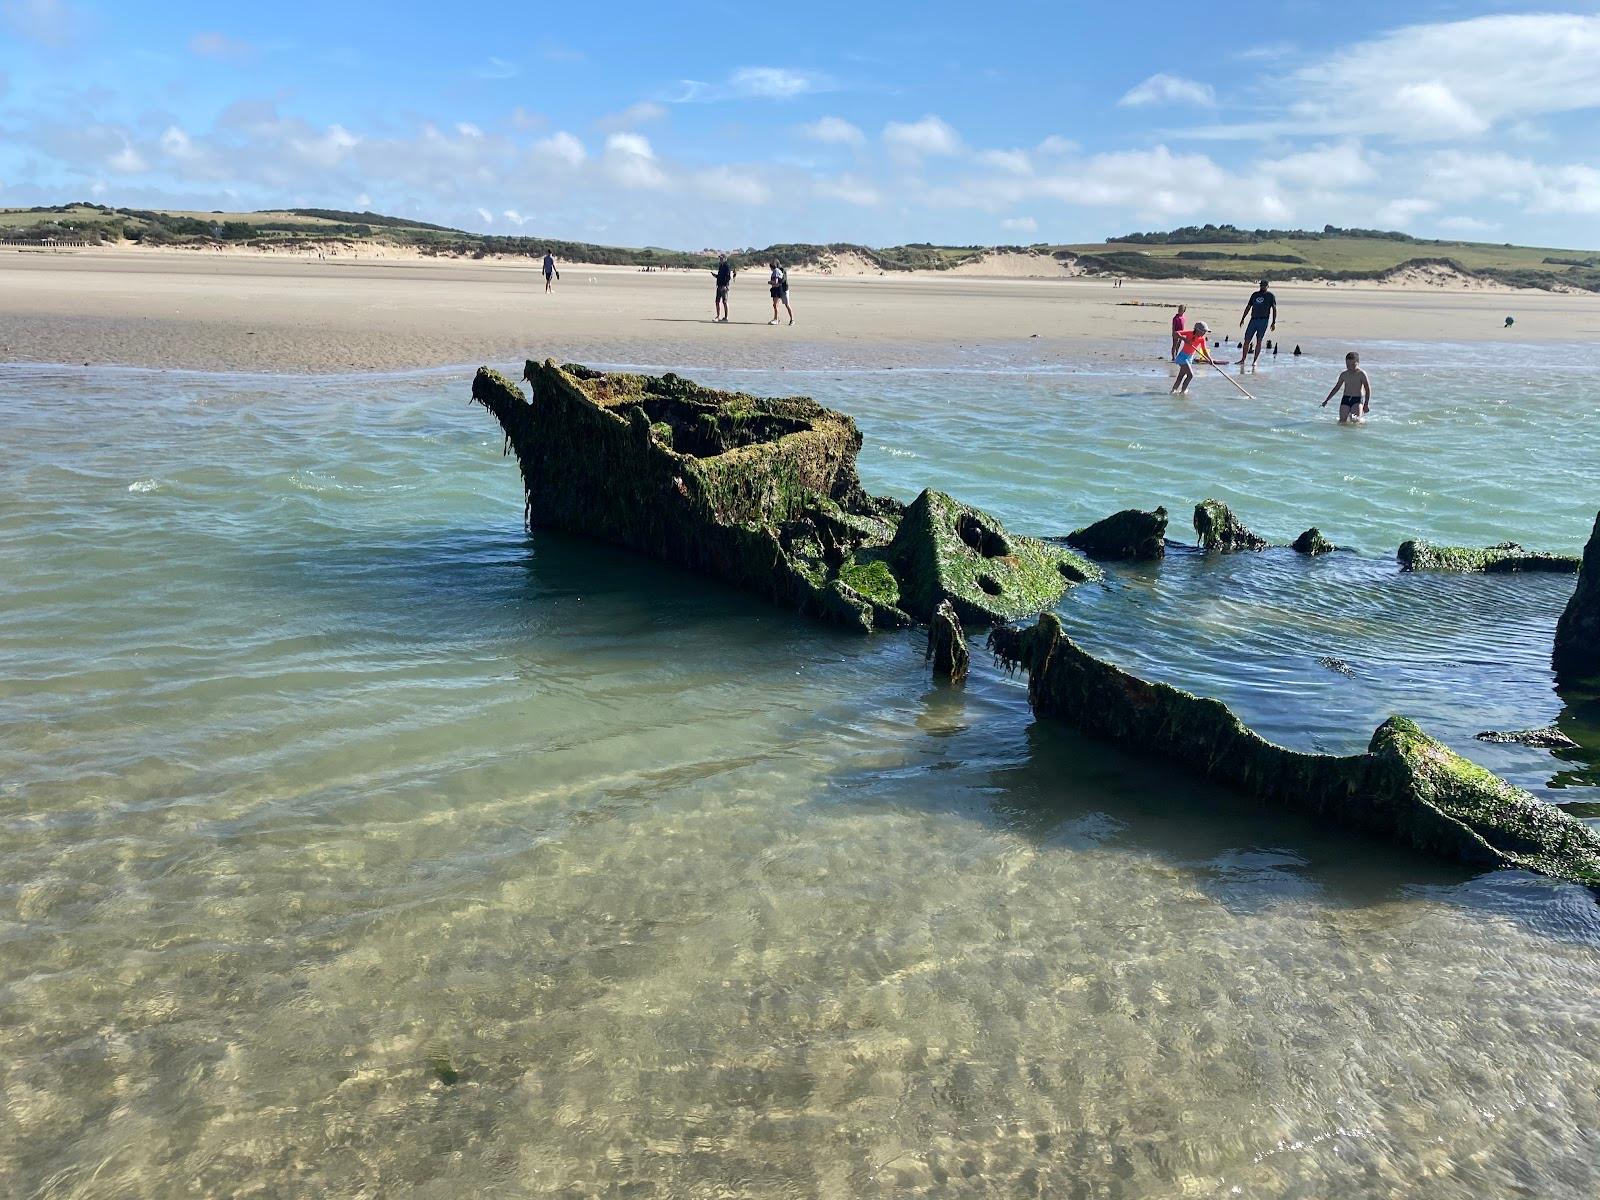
(356, 843)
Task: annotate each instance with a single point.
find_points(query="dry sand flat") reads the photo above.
(252, 312)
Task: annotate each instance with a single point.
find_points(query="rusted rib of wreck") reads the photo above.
(1407, 788)
(762, 493)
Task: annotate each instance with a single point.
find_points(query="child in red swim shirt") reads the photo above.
(1190, 344)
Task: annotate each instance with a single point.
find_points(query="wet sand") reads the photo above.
(239, 312)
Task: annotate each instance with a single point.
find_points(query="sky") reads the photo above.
(731, 125)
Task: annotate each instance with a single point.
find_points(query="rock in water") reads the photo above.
(1507, 557)
(947, 645)
(944, 550)
(1312, 542)
(1337, 664)
(1407, 788)
(1220, 530)
(1129, 534)
(1548, 738)
(1577, 648)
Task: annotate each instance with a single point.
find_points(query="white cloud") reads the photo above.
(325, 149)
(1020, 224)
(1056, 144)
(175, 143)
(513, 217)
(1432, 111)
(468, 130)
(522, 118)
(220, 46)
(1571, 189)
(127, 161)
(635, 115)
(778, 83)
(1169, 89)
(849, 189)
(631, 162)
(724, 183)
(918, 139)
(561, 147)
(1016, 162)
(1403, 211)
(1335, 165)
(1454, 79)
(834, 131)
(53, 22)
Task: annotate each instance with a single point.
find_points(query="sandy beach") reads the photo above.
(254, 313)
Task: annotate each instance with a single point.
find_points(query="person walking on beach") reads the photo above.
(1356, 401)
(1193, 344)
(778, 285)
(1177, 330)
(1262, 312)
(549, 270)
(725, 275)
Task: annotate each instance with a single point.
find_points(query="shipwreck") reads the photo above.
(763, 494)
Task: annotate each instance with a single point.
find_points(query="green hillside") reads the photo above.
(1221, 252)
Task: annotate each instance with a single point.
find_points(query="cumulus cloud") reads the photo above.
(1015, 162)
(560, 147)
(630, 161)
(1020, 224)
(834, 131)
(1404, 211)
(1169, 89)
(914, 140)
(1339, 164)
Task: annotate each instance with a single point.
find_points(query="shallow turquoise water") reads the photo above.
(318, 776)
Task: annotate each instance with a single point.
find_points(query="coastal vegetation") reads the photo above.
(1217, 252)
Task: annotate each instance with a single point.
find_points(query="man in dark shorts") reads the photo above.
(549, 270)
(725, 275)
(1262, 311)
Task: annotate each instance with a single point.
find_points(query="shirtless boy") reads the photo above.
(1356, 399)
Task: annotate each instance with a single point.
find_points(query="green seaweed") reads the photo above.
(1222, 532)
(1505, 558)
(1408, 787)
(1129, 534)
(946, 550)
(443, 1070)
(1312, 542)
(871, 578)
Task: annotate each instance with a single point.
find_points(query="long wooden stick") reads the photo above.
(1230, 379)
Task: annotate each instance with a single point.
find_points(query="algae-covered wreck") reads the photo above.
(762, 493)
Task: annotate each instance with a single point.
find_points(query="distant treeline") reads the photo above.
(1192, 235)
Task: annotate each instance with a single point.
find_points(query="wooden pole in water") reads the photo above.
(1230, 379)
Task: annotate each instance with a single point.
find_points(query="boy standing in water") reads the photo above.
(1357, 399)
(1193, 343)
(1177, 329)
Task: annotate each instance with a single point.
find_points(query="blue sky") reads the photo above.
(746, 124)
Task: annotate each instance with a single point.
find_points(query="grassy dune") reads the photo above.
(1207, 252)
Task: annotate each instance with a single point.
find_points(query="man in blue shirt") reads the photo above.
(1262, 311)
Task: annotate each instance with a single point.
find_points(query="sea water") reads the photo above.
(355, 842)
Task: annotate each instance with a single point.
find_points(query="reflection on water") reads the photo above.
(323, 785)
